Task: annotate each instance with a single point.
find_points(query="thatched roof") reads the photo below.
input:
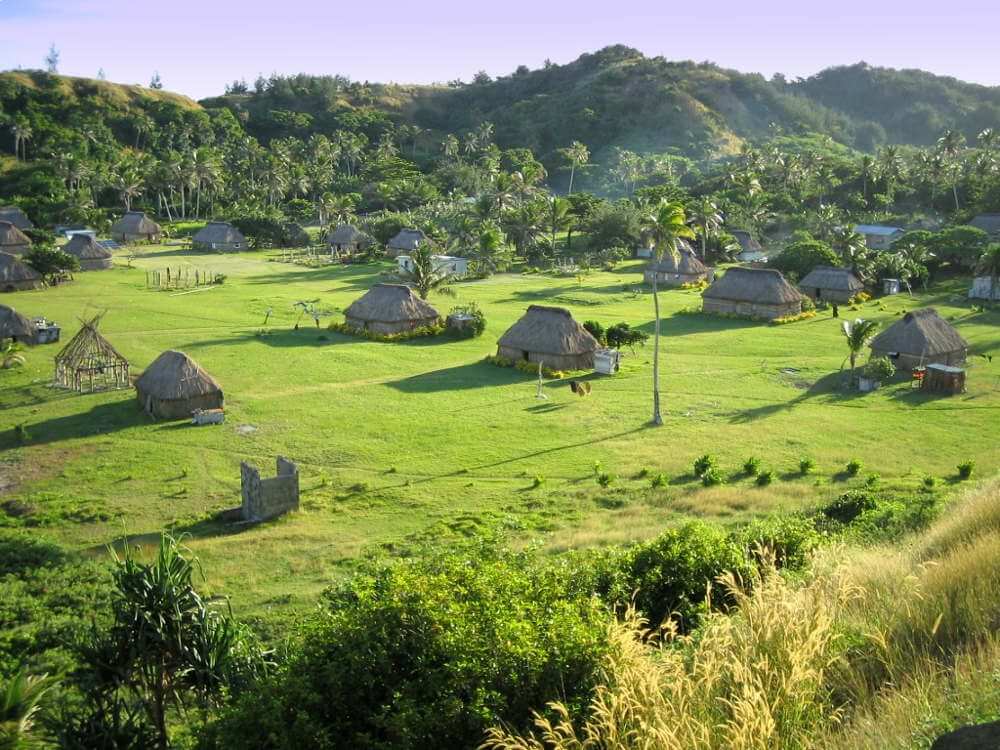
(548, 330)
(921, 333)
(174, 376)
(407, 239)
(686, 262)
(390, 303)
(88, 348)
(12, 324)
(763, 286)
(10, 235)
(747, 243)
(828, 277)
(135, 222)
(85, 247)
(13, 270)
(15, 216)
(989, 223)
(346, 234)
(219, 232)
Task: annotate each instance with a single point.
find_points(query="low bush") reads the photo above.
(711, 477)
(965, 469)
(805, 315)
(929, 482)
(659, 480)
(806, 465)
(704, 463)
(529, 368)
(751, 467)
(604, 479)
(476, 325)
(789, 540)
(849, 506)
(765, 478)
(853, 467)
(416, 333)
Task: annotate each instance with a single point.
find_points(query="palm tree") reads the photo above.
(866, 171)
(577, 154)
(666, 227)
(424, 274)
(450, 147)
(852, 249)
(20, 700)
(22, 134)
(989, 263)
(890, 168)
(950, 146)
(858, 334)
(558, 217)
(205, 167)
(707, 216)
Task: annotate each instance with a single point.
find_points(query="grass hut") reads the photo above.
(989, 223)
(406, 242)
(16, 276)
(750, 249)
(831, 284)
(684, 268)
(91, 254)
(175, 385)
(15, 326)
(921, 338)
(549, 335)
(388, 309)
(135, 226)
(755, 292)
(13, 240)
(347, 240)
(219, 236)
(90, 363)
(15, 216)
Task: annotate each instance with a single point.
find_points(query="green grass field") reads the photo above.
(407, 442)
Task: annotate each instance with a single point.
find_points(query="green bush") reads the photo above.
(929, 482)
(659, 480)
(849, 506)
(765, 478)
(711, 477)
(704, 463)
(806, 465)
(872, 481)
(595, 329)
(965, 469)
(891, 518)
(751, 467)
(853, 467)
(604, 479)
(790, 539)
(478, 324)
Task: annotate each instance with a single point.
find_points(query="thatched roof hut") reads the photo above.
(754, 292)
(831, 284)
(549, 335)
(17, 276)
(684, 268)
(347, 239)
(989, 223)
(388, 309)
(175, 385)
(15, 326)
(219, 235)
(13, 240)
(135, 226)
(90, 363)
(15, 216)
(750, 248)
(406, 241)
(922, 337)
(91, 254)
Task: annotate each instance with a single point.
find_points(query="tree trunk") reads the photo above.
(657, 417)
(704, 237)
(572, 170)
(954, 191)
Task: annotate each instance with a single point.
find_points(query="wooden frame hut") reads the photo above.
(90, 363)
(91, 254)
(388, 309)
(549, 335)
(831, 284)
(17, 276)
(135, 226)
(15, 216)
(406, 241)
(15, 326)
(684, 268)
(175, 385)
(347, 240)
(219, 236)
(755, 292)
(921, 338)
(13, 240)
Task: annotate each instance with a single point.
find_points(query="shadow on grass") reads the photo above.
(282, 338)
(833, 386)
(354, 276)
(99, 420)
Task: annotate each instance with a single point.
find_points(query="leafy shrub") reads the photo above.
(660, 480)
(785, 320)
(529, 368)
(751, 467)
(477, 324)
(880, 369)
(790, 539)
(765, 478)
(806, 465)
(929, 482)
(965, 469)
(711, 477)
(860, 298)
(643, 473)
(808, 305)
(415, 333)
(621, 334)
(595, 329)
(853, 467)
(894, 517)
(704, 463)
(849, 506)
(604, 479)
(872, 481)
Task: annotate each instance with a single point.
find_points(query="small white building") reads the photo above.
(450, 265)
(984, 288)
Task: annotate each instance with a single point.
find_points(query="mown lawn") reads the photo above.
(401, 443)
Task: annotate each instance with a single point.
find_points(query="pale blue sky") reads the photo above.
(200, 46)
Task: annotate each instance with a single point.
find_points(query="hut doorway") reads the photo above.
(819, 293)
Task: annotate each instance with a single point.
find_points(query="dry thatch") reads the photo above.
(12, 239)
(175, 385)
(90, 363)
(15, 275)
(15, 216)
(685, 263)
(91, 254)
(135, 225)
(551, 335)
(407, 240)
(13, 325)
(346, 234)
(391, 303)
(219, 235)
(833, 283)
(762, 286)
(747, 243)
(921, 334)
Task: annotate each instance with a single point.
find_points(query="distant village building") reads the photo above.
(754, 292)
(15, 216)
(390, 308)
(920, 338)
(445, 264)
(984, 288)
(347, 240)
(13, 240)
(751, 250)
(879, 237)
(175, 385)
(15, 326)
(989, 223)
(684, 268)
(135, 226)
(91, 255)
(549, 335)
(406, 241)
(831, 284)
(219, 236)
(16, 276)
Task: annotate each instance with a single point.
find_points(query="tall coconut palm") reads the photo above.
(424, 274)
(857, 334)
(706, 215)
(22, 134)
(577, 154)
(558, 217)
(666, 226)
